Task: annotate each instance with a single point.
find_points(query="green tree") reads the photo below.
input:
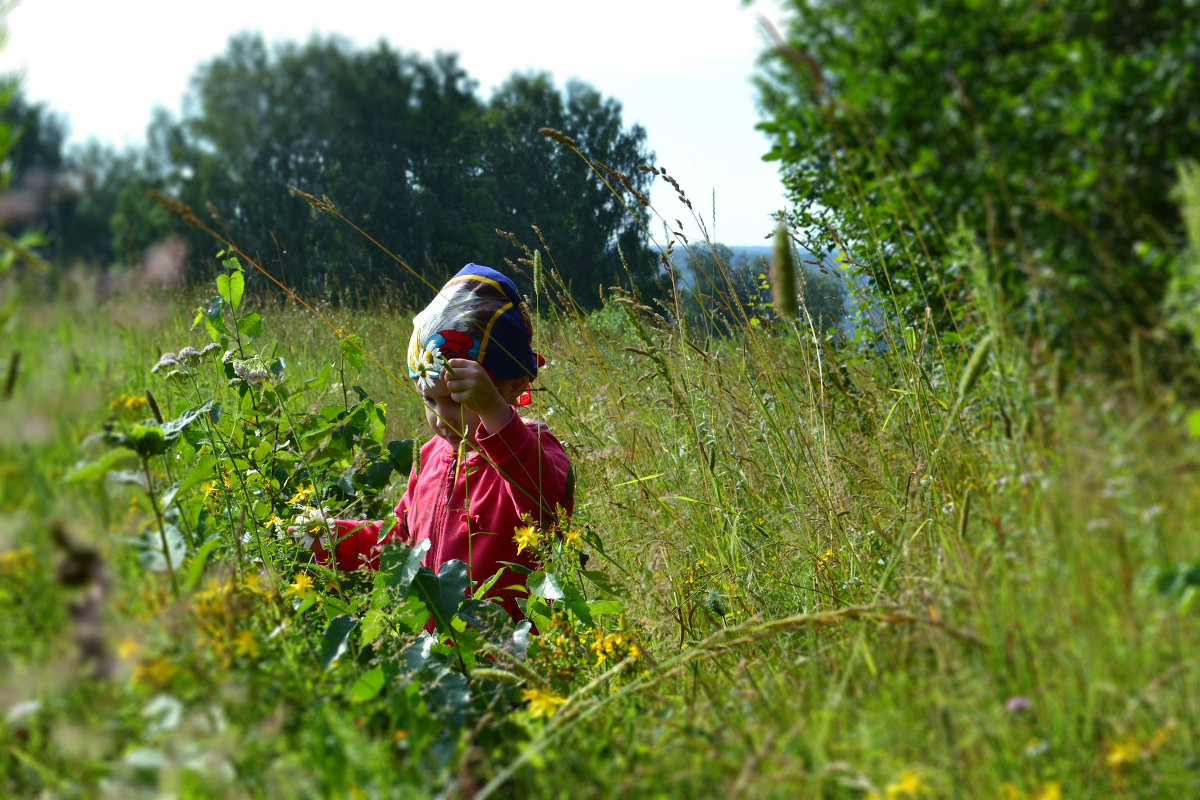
(31, 144)
(406, 150)
(394, 141)
(1050, 128)
(546, 184)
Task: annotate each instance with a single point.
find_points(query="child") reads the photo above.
(485, 472)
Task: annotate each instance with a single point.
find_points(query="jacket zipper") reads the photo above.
(439, 529)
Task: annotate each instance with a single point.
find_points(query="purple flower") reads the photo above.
(1016, 705)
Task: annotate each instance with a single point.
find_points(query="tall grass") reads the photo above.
(887, 568)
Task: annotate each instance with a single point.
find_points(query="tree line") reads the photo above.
(404, 146)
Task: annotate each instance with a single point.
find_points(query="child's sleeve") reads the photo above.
(357, 543)
(535, 467)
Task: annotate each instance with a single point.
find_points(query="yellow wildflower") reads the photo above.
(573, 540)
(1159, 738)
(16, 562)
(302, 494)
(129, 403)
(907, 784)
(301, 587)
(155, 672)
(527, 536)
(1122, 753)
(129, 649)
(245, 644)
(612, 646)
(254, 583)
(542, 703)
(1049, 791)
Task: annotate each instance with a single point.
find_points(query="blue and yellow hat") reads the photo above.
(478, 314)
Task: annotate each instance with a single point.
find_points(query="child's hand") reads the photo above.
(470, 385)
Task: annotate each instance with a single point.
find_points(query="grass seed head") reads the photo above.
(783, 275)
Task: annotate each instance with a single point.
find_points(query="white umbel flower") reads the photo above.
(165, 360)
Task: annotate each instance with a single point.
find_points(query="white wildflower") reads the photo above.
(165, 360)
(428, 366)
(229, 354)
(209, 348)
(310, 525)
(188, 354)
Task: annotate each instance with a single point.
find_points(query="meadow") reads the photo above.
(915, 563)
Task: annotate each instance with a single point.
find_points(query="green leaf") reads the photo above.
(1193, 424)
(306, 604)
(335, 607)
(336, 639)
(168, 496)
(449, 699)
(600, 608)
(367, 686)
(376, 475)
(173, 428)
(545, 586)
(148, 440)
(604, 582)
(230, 287)
(215, 319)
(128, 477)
(374, 624)
(400, 454)
(410, 614)
(196, 568)
(250, 326)
(351, 352)
(444, 592)
(202, 471)
(496, 627)
(106, 462)
(400, 562)
(151, 552)
(486, 585)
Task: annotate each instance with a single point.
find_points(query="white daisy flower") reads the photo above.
(428, 366)
(310, 525)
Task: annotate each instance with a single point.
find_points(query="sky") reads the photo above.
(679, 68)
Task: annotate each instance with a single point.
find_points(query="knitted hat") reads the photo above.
(478, 315)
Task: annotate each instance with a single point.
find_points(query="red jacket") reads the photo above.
(470, 510)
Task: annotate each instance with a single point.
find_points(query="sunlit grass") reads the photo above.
(845, 570)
